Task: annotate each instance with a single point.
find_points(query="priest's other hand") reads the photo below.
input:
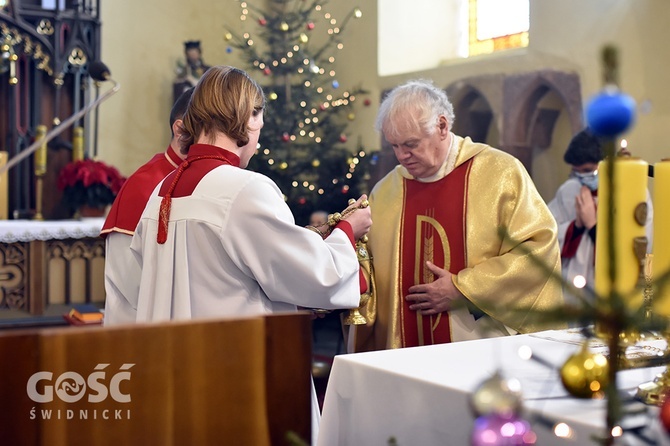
(435, 297)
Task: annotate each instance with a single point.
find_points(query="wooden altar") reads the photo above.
(47, 266)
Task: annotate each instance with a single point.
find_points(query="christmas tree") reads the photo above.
(304, 146)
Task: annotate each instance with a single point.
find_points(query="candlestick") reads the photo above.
(77, 144)
(40, 160)
(627, 222)
(661, 243)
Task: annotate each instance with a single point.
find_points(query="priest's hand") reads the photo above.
(435, 297)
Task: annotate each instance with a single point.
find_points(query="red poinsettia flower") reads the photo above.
(89, 182)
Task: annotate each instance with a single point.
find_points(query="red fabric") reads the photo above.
(442, 205)
(572, 241)
(133, 196)
(346, 227)
(181, 183)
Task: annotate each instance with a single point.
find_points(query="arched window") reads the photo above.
(423, 34)
(498, 25)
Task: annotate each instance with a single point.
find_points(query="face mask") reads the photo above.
(589, 180)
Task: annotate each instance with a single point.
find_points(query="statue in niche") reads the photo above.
(190, 68)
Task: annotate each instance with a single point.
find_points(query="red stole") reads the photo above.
(433, 228)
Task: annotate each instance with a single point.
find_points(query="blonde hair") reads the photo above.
(223, 101)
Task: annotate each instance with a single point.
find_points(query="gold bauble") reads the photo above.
(351, 116)
(283, 165)
(283, 26)
(272, 96)
(316, 163)
(497, 395)
(585, 374)
(227, 36)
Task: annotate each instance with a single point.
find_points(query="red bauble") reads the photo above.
(310, 26)
(367, 102)
(267, 71)
(302, 200)
(343, 138)
(285, 137)
(262, 21)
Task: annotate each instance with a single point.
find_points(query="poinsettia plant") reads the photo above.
(89, 183)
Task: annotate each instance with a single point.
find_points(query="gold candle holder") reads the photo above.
(40, 168)
(77, 144)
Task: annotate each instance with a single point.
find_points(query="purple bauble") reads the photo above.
(610, 113)
(497, 430)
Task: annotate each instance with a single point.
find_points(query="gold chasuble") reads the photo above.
(484, 222)
(425, 238)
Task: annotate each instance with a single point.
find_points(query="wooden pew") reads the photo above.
(237, 381)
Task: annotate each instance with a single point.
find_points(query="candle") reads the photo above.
(626, 226)
(661, 243)
(40, 160)
(78, 144)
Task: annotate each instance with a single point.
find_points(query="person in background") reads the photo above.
(121, 272)
(463, 246)
(318, 218)
(217, 240)
(575, 209)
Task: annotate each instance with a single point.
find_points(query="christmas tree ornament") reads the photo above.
(610, 112)
(585, 373)
(336, 84)
(228, 36)
(358, 13)
(367, 102)
(284, 26)
(310, 26)
(497, 395)
(229, 49)
(283, 165)
(262, 21)
(498, 430)
(303, 38)
(316, 163)
(272, 96)
(351, 116)
(267, 71)
(285, 137)
(343, 137)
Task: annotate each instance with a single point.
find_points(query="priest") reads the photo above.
(463, 245)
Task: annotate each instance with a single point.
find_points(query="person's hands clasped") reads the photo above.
(585, 207)
(435, 297)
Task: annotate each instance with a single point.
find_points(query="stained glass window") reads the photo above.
(498, 25)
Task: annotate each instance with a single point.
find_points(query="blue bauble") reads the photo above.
(610, 113)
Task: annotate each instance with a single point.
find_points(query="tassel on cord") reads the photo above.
(166, 202)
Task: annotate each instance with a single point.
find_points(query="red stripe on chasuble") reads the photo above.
(433, 229)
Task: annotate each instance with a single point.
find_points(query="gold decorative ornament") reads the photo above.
(585, 374)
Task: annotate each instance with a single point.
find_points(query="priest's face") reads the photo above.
(255, 125)
(419, 152)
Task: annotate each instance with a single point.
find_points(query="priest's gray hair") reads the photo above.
(416, 105)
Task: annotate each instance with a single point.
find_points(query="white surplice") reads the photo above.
(233, 248)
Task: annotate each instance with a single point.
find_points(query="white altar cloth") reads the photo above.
(420, 395)
(12, 231)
